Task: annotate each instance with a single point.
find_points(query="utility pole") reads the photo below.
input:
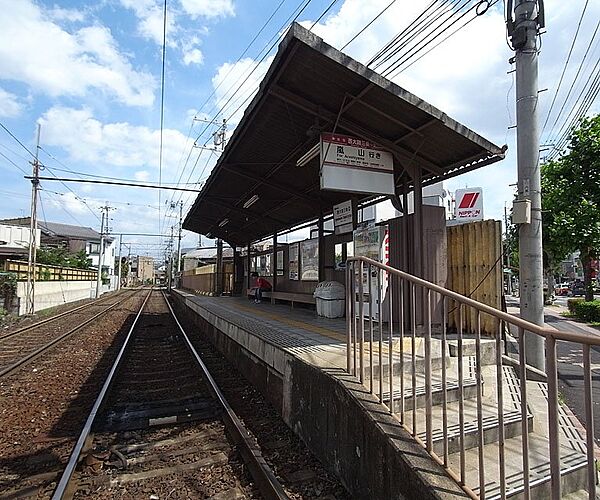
(120, 261)
(170, 261)
(104, 230)
(99, 273)
(32, 258)
(523, 31)
(173, 205)
(507, 250)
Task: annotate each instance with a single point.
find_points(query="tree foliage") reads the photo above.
(52, 256)
(571, 199)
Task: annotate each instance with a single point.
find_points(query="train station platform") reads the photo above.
(298, 361)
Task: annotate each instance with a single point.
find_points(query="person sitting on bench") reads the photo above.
(261, 285)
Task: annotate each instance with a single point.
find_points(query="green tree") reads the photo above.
(571, 200)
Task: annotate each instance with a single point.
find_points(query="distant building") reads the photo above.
(14, 242)
(142, 269)
(203, 256)
(73, 238)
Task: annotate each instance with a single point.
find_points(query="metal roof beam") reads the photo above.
(354, 128)
(262, 180)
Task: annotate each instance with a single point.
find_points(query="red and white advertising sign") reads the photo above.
(355, 165)
(469, 204)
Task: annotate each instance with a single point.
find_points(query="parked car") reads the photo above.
(562, 289)
(577, 289)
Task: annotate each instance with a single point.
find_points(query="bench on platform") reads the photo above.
(304, 298)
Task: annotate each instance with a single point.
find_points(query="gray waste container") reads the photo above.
(330, 299)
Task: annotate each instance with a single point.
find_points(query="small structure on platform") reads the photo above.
(325, 131)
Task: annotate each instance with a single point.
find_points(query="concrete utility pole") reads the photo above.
(523, 31)
(101, 250)
(507, 250)
(170, 262)
(104, 230)
(32, 258)
(173, 205)
(120, 261)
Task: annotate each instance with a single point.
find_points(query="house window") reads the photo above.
(94, 248)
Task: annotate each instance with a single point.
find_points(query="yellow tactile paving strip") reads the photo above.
(332, 334)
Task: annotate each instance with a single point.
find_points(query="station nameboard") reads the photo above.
(343, 220)
(469, 204)
(355, 165)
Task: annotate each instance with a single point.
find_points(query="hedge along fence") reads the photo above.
(585, 311)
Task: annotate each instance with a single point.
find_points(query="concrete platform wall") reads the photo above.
(342, 424)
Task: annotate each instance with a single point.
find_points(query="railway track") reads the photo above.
(23, 345)
(161, 428)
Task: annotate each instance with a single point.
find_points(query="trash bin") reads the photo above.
(330, 299)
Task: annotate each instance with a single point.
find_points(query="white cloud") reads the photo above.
(86, 139)
(9, 104)
(71, 204)
(208, 8)
(70, 15)
(151, 22)
(194, 56)
(142, 175)
(241, 79)
(57, 62)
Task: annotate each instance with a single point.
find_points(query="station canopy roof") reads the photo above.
(312, 88)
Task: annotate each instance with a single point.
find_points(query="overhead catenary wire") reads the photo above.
(575, 80)
(300, 6)
(565, 67)
(267, 49)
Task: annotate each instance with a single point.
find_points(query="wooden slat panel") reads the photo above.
(475, 270)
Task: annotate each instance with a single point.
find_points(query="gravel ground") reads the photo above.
(300, 473)
(44, 405)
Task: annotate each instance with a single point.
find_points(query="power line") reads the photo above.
(162, 105)
(13, 163)
(62, 180)
(579, 68)
(15, 138)
(565, 67)
(369, 24)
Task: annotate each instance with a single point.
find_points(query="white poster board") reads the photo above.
(343, 220)
(309, 260)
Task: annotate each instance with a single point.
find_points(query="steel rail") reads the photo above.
(73, 459)
(264, 477)
(95, 302)
(32, 355)
(266, 481)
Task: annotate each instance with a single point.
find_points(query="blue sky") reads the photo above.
(89, 72)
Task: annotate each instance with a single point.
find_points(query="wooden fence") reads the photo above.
(203, 279)
(475, 270)
(49, 273)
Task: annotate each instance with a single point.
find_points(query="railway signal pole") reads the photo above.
(32, 257)
(523, 30)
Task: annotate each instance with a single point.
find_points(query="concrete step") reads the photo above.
(512, 425)
(573, 469)
(469, 392)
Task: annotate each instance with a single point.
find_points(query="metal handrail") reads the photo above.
(519, 322)
(416, 298)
